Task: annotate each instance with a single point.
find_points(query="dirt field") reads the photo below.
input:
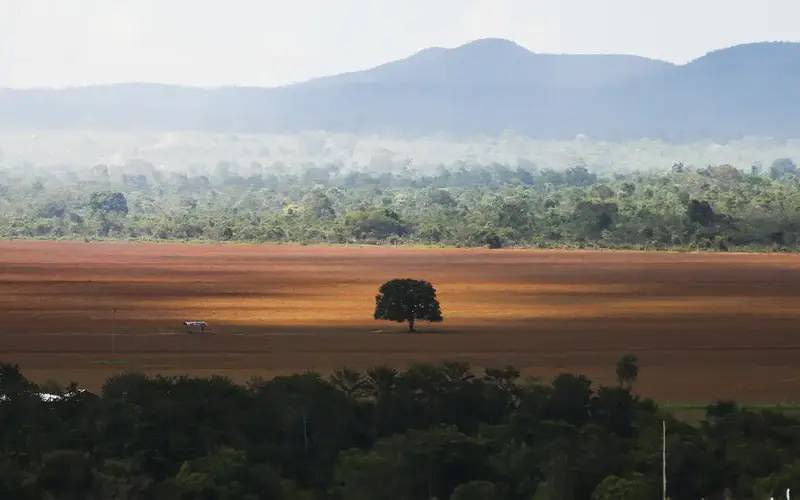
(705, 326)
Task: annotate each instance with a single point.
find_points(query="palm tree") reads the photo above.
(627, 370)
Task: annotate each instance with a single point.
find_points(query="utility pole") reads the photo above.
(664, 460)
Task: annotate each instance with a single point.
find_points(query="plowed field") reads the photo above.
(705, 326)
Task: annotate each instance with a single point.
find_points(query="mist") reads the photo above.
(201, 153)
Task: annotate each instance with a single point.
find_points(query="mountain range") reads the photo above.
(484, 87)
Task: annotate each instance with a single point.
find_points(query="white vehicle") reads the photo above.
(195, 326)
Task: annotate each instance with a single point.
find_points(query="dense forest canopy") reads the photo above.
(464, 204)
(431, 431)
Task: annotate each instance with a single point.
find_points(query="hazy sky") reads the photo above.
(271, 42)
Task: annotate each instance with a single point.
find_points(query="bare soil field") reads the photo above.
(704, 326)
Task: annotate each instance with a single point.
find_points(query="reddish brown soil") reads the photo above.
(705, 326)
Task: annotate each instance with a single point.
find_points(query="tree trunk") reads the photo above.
(411, 325)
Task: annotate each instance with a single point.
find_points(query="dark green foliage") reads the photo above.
(615, 409)
(569, 400)
(594, 218)
(491, 240)
(319, 205)
(721, 409)
(442, 197)
(713, 208)
(700, 212)
(579, 176)
(637, 487)
(108, 202)
(431, 431)
(18, 479)
(225, 475)
(305, 433)
(776, 484)
(407, 300)
(627, 370)
(475, 490)
(417, 464)
(66, 474)
(13, 384)
(377, 224)
(53, 209)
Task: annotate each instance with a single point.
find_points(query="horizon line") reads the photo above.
(200, 86)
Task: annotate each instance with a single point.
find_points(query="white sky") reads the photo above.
(274, 42)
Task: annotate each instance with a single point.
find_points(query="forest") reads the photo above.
(430, 431)
(717, 207)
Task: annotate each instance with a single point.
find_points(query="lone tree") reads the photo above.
(627, 370)
(407, 300)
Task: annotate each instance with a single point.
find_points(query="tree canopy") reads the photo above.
(408, 300)
(107, 201)
(627, 370)
(716, 207)
(445, 431)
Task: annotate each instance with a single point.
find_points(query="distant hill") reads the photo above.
(501, 63)
(487, 87)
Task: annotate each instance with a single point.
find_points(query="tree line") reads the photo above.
(428, 432)
(717, 208)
